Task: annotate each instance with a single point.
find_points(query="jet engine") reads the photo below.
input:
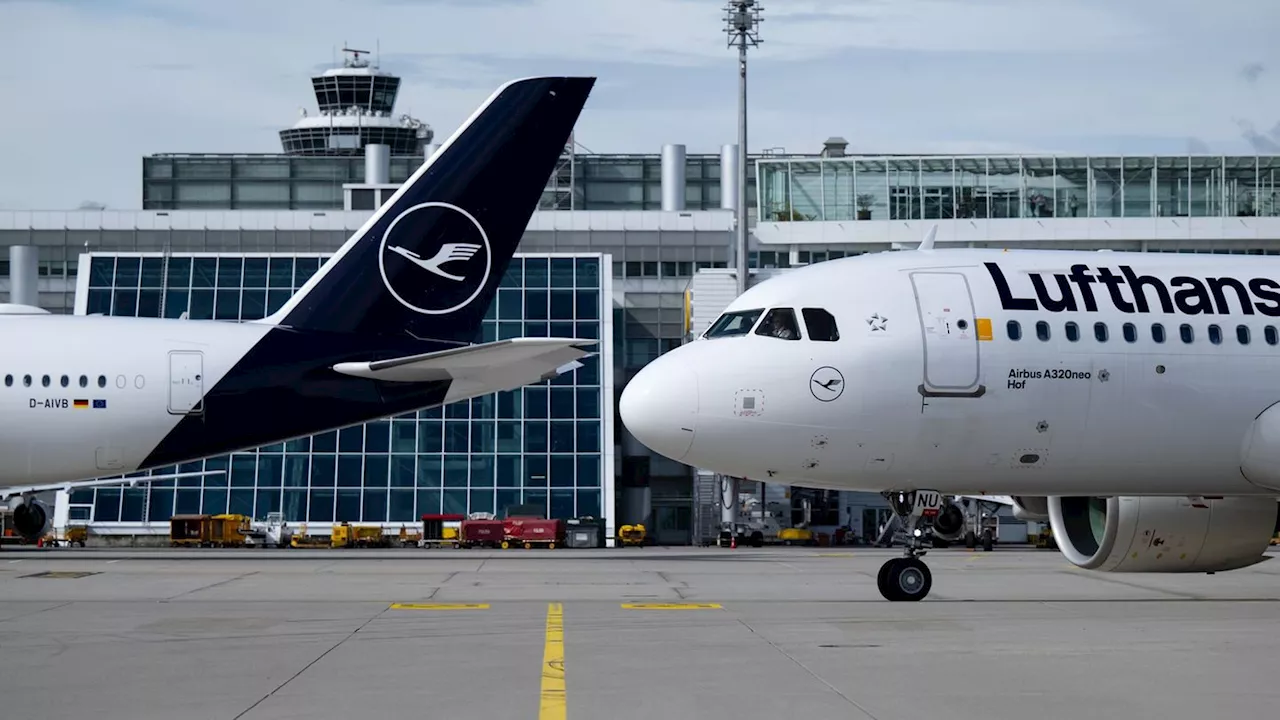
(1030, 507)
(32, 519)
(1162, 534)
(949, 525)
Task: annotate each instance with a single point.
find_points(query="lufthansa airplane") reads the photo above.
(386, 326)
(1129, 398)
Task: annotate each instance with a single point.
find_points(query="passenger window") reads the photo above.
(1073, 332)
(1157, 332)
(734, 323)
(1042, 330)
(65, 381)
(1242, 334)
(780, 323)
(84, 381)
(102, 381)
(26, 381)
(1215, 334)
(1130, 332)
(44, 380)
(1014, 330)
(1100, 331)
(820, 324)
(8, 381)
(1187, 334)
(1271, 335)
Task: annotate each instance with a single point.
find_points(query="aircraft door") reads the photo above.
(950, 335)
(186, 382)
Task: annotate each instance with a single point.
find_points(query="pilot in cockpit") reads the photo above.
(781, 323)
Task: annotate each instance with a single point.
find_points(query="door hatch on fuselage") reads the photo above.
(949, 332)
(186, 382)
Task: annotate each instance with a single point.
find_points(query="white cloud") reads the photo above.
(103, 82)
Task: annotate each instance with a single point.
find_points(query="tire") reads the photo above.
(909, 580)
(882, 579)
(970, 540)
(988, 542)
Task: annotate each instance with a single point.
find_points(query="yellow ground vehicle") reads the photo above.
(631, 535)
(301, 539)
(795, 536)
(346, 535)
(190, 530)
(71, 536)
(228, 530)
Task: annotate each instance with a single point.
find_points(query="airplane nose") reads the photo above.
(660, 406)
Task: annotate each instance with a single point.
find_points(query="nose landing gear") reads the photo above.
(908, 578)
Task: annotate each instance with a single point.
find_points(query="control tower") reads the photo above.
(356, 103)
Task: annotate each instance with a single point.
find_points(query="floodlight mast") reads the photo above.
(742, 25)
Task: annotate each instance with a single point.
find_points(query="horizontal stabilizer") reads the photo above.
(6, 493)
(502, 365)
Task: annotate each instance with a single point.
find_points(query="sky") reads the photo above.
(91, 86)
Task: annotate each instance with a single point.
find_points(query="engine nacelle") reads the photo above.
(1162, 534)
(32, 519)
(1030, 507)
(949, 525)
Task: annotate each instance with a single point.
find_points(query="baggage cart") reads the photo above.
(438, 530)
(537, 531)
(480, 533)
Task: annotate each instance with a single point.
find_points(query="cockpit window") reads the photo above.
(780, 323)
(820, 324)
(734, 323)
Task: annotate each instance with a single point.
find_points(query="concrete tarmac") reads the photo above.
(669, 633)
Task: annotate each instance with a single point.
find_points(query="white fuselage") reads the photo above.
(155, 373)
(937, 395)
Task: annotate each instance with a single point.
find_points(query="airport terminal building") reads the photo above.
(633, 249)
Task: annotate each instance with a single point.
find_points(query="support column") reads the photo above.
(673, 178)
(24, 275)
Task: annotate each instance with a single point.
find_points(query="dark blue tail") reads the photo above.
(428, 262)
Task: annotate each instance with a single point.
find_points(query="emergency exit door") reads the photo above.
(186, 382)
(950, 335)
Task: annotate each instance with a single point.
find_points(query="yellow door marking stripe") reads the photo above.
(671, 606)
(439, 606)
(552, 706)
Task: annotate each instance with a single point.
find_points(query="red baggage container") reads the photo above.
(536, 531)
(485, 533)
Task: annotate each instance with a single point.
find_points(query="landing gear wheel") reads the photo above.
(988, 541)
(970, 540)
(882, 578)
(904, 579)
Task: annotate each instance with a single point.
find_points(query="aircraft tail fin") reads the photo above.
(927, 244)
(428, 262)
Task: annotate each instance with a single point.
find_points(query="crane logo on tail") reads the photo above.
(435, 258)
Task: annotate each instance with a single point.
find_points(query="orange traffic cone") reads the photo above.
(733, 542)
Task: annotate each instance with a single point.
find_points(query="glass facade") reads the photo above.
(916, 188)
(277, 182)
(256, 182)
(548, 445)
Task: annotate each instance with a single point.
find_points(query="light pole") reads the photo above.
(742, 25)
